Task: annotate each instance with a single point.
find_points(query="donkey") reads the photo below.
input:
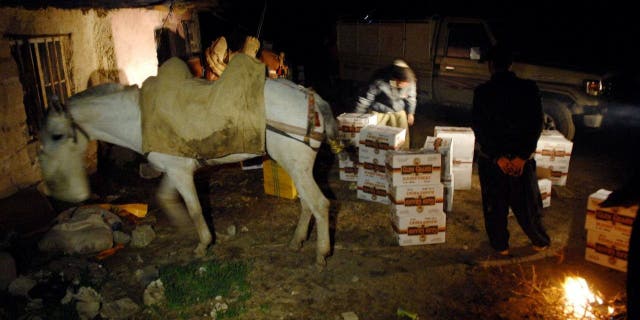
(111, 113)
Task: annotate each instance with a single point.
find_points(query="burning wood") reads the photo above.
(571, 300)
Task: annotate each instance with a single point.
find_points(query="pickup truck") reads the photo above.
(447, 56)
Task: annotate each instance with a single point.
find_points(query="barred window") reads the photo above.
(42, 61)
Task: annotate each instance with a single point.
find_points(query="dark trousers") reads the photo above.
(501, 191)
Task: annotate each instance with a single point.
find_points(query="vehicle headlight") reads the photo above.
(593, 87)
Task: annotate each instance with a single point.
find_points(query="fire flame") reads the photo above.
(579, 299)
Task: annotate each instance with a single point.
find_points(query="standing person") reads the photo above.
(507, 122)
(392, 97)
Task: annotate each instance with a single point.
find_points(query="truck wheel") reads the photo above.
(558, 117)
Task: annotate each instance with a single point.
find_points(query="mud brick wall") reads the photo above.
(105, 46)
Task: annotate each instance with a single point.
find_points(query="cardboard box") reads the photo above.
(348, 170)
(462, 174)
(372, 191)
(376, 140)
(420, 228)
(277, 182)
(464, 141)
(545, 192)
(607, 249)
(419, 199)
(445, 147)
(413, 167)
(553, 154)
(617, 220)
(350, 125)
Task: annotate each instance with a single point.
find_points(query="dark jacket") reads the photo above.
(507, 116)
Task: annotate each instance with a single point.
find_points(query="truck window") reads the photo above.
(463, 36)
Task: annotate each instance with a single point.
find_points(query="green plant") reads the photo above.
(198, 282)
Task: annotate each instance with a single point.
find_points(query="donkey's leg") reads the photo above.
(171, 203)
(187, 189)
(179, 175)
(302, 229)
(298, 159)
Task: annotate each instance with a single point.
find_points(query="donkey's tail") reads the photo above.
(330, 126)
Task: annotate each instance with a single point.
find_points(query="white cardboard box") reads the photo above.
(545, 191)
(416, 167)
(607, 249)
(463, 139)
(617, 220)
(553, 154)
(420, 228)
(348, 170)
(370, 191)
(462, 173)
(376, 140)
(350, 125)
(417, 199)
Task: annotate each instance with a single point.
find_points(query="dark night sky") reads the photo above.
(598, 36)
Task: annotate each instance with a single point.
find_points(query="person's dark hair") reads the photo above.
(401, 71)
(500, 55)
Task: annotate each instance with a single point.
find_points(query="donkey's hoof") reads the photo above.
(295, 245)
(200, 250)
(321, 262)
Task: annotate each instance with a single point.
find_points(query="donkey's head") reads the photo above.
(62, 155)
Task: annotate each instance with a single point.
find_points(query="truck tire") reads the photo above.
(558, 117)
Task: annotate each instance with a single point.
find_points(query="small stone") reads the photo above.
(244, 229)
(121, 237)
(21, 286)
(154, 293)
(220, 306)
(349, 316)
(88, 303)
(465, 247)
(231, 230)
(142, 236)
(355, 279)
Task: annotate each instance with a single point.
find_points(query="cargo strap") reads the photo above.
(311, 114)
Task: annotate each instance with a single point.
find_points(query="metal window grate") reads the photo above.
(42, 61)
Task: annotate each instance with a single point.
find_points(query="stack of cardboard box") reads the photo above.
(553, 154)
(416, 196)
(462, 155)
(349, 127)
(608, 232)
(375, 142)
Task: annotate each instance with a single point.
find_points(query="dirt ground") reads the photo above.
(368, 273)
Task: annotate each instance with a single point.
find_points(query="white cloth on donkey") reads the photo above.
(195, 118)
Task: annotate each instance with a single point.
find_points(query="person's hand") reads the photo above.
(410, 119)
(517, 164)
(505, 165)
